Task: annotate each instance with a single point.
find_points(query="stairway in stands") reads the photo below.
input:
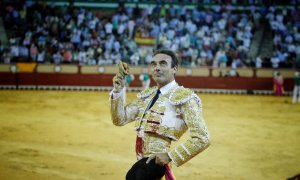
(262, 41)
(266, 46)
(3, 36)
(257, 36)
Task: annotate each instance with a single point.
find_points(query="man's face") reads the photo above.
(161, 69)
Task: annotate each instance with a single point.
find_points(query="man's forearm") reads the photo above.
(117, 108)
(188, 150)
(122, 114)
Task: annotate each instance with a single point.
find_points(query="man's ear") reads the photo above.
(175, 68)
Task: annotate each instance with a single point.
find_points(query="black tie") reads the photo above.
(154, 98)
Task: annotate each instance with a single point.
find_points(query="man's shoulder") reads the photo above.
(147, 92)
(181, 95)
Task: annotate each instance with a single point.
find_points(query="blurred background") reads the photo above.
(223, 45)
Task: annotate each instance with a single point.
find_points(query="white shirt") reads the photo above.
(167, 87)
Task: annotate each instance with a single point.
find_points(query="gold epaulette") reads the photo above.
(181, 95)
(147, 92)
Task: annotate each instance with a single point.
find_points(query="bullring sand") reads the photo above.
(69, 135)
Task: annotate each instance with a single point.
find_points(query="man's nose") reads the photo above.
(157, 68)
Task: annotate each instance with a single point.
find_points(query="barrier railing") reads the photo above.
(36, 75)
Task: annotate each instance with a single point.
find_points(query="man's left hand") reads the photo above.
(160, 158)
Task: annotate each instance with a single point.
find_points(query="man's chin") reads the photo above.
(156, 79)
(159, 82)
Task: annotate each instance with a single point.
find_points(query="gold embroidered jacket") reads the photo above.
(169, 118)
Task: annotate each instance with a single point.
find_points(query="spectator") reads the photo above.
(115, 57)
(82, 56)
(108, 28)
(67, 56)
(275, 61)
(33, 52)
(75, 56)
(221, 58)
(258, 62)
(134, 59)
(23, 53)
(57, 58)
(6, 57)
(41, 56)
(14, 50)
(91, 56)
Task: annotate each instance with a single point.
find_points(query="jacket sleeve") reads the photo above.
(199, 136)
(122, 114)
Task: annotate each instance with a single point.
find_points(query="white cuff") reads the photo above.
(169, 154)
(114, 95)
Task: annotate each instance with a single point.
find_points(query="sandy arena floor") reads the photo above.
(69, 135)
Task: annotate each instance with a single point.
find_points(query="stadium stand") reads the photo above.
(213, 38)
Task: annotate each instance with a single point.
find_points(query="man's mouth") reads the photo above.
(158, 74)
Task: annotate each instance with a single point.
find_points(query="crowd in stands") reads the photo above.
(218, 36)
(285, 25)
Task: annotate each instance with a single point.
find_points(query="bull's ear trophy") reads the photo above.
(123, 68)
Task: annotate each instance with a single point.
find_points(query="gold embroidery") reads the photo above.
(146, 93)
(198, 132)
(158, 129)
(155, 144)
(180, 95)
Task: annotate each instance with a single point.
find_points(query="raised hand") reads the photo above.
(119, 78)
(118, 82)
(123, 68)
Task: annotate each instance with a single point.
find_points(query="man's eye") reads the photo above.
(163, 63)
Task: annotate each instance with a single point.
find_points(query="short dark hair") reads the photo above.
(170, 53)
